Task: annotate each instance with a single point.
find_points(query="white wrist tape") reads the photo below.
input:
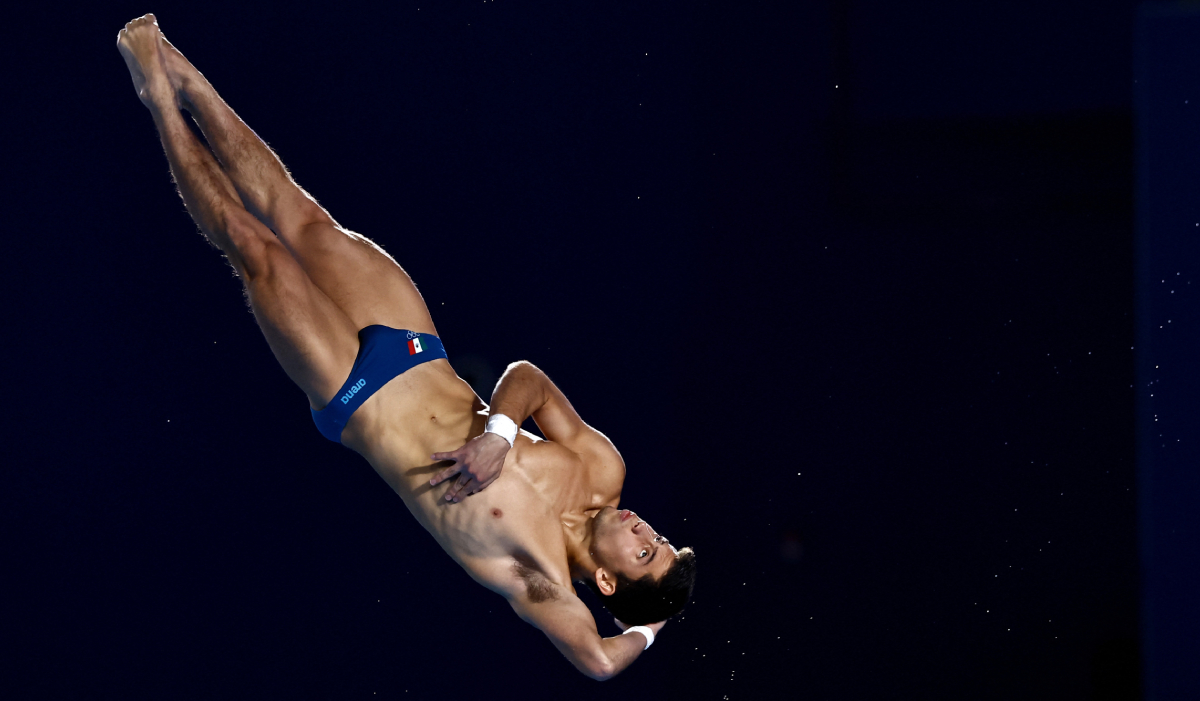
(644, 631)
(502, 426)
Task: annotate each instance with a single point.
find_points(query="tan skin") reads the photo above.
(544, 512)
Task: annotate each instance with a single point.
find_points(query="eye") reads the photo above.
(643, 553)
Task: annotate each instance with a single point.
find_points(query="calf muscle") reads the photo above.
(260, 177)
(207, 192)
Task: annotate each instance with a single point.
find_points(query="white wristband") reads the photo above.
(644, 631)
(502, 426)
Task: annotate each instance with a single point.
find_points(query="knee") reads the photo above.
(299, 213)
(256, 251)
(307, 212)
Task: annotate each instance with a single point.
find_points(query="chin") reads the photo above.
(607, 518)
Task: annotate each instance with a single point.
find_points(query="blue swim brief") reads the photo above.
(383, 353)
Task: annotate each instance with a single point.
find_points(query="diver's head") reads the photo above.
(638, 575)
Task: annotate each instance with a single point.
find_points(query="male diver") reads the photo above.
(349, 327)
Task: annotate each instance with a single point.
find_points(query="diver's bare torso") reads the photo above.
(510, 534)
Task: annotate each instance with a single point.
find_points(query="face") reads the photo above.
(621, 542)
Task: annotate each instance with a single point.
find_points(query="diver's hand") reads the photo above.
(477, 464)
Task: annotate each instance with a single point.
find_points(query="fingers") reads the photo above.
(477, 467)
(459, 491)
(449, 471)
(466, 488)
(444, 475)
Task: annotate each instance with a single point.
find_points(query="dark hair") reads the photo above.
(637, 602)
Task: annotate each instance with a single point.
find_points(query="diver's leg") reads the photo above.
(313, 340)
(352, 270)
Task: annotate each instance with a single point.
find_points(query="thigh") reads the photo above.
(314, 341)
(353, 271)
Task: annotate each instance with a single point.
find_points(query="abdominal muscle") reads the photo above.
(429, 409)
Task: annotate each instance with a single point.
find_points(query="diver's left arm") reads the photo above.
(570, 626)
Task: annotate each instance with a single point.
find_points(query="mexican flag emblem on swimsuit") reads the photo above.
(414, 346)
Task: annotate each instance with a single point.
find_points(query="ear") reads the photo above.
(604, 582)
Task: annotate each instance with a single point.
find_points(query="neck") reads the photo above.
(578, 537)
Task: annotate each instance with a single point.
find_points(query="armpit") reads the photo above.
(537, 587)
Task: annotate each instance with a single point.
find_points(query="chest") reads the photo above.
(519, 519)
(520, 512)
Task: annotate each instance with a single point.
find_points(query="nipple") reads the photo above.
(497, 513)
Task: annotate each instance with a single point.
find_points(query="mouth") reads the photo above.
(626, 514)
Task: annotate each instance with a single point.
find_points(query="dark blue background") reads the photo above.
(1167, 63)
(849, 284)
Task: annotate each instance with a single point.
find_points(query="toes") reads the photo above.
(139, 21)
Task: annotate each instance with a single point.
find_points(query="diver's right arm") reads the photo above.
(524, 391)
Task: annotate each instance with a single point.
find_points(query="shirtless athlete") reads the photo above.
(348, 326)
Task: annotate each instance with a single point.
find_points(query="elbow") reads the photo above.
(598, 666)
(602, 671)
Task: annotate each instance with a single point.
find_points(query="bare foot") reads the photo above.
(138, 43)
